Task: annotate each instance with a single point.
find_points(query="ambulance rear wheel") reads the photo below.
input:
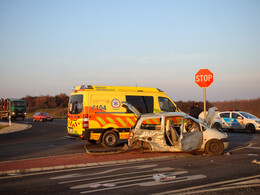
(109, 139)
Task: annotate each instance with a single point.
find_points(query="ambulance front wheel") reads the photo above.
(109, 139)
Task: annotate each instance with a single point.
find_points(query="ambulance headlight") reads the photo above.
(258, 122)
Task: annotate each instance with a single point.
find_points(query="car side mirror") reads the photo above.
(239, 117)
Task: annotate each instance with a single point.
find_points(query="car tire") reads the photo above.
(109, 139)
(214, 147)
(250, 128)
(217, 126)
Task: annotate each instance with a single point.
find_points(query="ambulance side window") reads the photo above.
(144, 104)
(75, 104)
(166, 105)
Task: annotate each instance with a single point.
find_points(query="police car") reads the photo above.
(235, 119)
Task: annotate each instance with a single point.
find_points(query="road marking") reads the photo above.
(125, 180)
(219, 189)
(103, 172)
(244, 147)
(123, 174)
(255, 181)
(258, 148)
(180, 179)
(191, 189)
(110, 181)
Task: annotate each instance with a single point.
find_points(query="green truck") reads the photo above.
(14, 108)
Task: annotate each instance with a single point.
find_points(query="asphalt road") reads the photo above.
(41, 140)
(231, 173)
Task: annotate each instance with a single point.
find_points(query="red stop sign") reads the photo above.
(204, 78)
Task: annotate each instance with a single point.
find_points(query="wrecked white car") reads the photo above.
(176, 132)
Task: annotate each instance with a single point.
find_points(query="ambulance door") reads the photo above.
(75, 115)
(106, 110)
(107, 115)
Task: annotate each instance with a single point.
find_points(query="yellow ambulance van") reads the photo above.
(96, 114)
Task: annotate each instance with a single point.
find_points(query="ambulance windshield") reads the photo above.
(75, 104)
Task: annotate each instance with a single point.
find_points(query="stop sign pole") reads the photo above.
(204, 78)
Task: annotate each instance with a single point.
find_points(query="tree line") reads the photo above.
(45, 102)
(252, 106)
(61, 101)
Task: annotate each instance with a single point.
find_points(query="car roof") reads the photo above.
(228, 111)
(165, 114)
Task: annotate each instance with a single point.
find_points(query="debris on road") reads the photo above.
(228, 153)
(108, 185)
(112, 151)
(164, 176)
(256, 162)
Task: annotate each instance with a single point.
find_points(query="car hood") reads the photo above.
(210, 116)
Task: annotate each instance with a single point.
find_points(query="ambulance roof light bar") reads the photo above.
(86, 87)
(83, 87)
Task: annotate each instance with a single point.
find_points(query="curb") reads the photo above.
(59, 167)
(15, 127)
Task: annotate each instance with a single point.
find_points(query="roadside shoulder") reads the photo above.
(13, 128)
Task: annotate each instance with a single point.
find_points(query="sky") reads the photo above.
(47, 47)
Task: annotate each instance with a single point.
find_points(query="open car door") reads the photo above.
(210, 116)
(191, 135)
(132, 108)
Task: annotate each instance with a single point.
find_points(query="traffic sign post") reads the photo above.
(204, 78)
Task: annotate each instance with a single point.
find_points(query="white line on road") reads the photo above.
(180, 179)
(103, 172)
(122, 174)
(187, 190)
(125, 180)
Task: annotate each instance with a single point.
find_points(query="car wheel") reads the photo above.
(217, 126)
(214, 147)
(250, 128)
(34, 120)
(109, 139)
